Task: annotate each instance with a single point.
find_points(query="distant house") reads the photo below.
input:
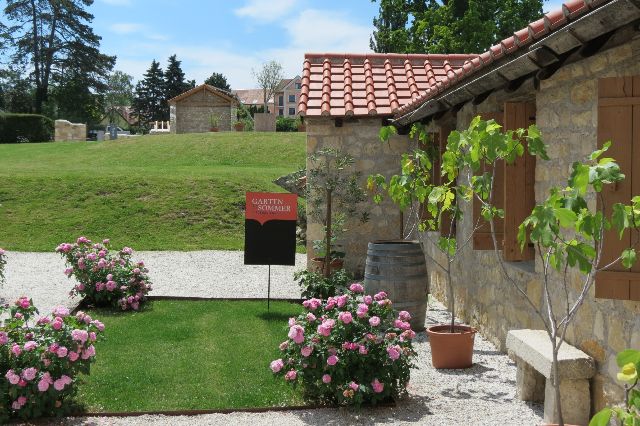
(192, 111)
(287, 96)
(121, 116)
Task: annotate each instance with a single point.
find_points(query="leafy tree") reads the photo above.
(119, 89)
(268, 78)
(174, 79)
(449, 26)
(218, 80)
(17, 91)
(71, 99)
(148, 102)
(53, 36)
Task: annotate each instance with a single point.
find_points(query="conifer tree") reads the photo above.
(149, 103)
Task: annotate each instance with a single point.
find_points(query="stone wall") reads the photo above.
(567, 116)
(359, 138)
(67, 131)
(264, 122)
(193, 114)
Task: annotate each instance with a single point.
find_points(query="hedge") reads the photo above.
(16, 128)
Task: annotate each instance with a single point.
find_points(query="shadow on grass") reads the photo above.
(274, 316)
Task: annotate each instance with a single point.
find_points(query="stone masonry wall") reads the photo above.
(359, 138)
(193, 114)
(567, 116)
(67, 131)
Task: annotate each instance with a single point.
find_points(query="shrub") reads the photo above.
(3, 263)
(315, 285)
(349, 350)
(105, 278)
(286, 124)
(41, 359)
(15, 128)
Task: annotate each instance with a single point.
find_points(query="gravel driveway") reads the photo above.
(481, 395)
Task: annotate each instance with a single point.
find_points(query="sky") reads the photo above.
(232, 37)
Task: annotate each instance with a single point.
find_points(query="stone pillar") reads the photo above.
(576, 402)
(530, 383)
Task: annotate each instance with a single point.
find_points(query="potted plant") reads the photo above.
(337, 251)
(214, 121)
(238, 126)
(466, 172)
(629, 414)
(333, 194)
(302, 127)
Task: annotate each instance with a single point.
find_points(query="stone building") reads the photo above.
(576, 74)
(192, 111)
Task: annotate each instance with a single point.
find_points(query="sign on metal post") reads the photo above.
(270, 230)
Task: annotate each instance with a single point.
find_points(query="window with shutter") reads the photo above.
(520, 176)
(619, 121)
(482, 239)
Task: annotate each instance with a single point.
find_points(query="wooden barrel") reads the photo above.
(399, 269)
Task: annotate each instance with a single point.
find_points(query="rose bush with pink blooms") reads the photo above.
(105, 277)
(41, 358)
(349, 350)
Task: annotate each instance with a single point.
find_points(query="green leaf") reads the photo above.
(579, 177)
(566, 217)
(619, 218)
(628, 257)
(627, 356)
(386, 132)
(602, 418)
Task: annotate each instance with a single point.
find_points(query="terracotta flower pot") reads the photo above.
(302, 127)
(238, 127)
(451, 350)
(213, 129)
(317, 265)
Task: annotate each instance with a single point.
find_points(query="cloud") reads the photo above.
(266, 10)
(126, 27)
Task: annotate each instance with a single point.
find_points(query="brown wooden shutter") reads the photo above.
(618, 111)
(482, 237)
(520, 176)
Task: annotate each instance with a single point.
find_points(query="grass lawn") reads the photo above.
(179, 192)
(184, 355)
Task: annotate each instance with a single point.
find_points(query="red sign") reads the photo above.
(265, 206)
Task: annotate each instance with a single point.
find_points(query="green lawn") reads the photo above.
(180, 192)
(187, 355)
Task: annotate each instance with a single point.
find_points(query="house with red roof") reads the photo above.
(575, 73)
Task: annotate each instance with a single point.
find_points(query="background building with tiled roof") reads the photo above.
(192, 111)
(287, 96)
(575, 73)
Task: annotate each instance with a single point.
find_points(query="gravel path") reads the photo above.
(481, 395)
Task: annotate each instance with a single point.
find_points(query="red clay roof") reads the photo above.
(343, 85)
(549, 23)
(215, 90)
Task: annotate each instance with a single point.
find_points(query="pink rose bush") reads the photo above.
(349, 350)
(41, 358)
(105, 277)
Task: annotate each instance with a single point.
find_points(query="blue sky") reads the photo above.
(232, 37)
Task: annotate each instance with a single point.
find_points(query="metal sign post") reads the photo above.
(269, 290)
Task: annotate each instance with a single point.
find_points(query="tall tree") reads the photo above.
(52, 36)
(119, 91)
(268, 78)
(149, 100)
(449, 26)
(174, 79)
(218, 80)
(71, 99)
(17, 91)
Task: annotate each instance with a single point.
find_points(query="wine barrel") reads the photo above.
(399, 269)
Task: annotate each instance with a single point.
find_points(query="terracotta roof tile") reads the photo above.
(343, 85)
(521, 39)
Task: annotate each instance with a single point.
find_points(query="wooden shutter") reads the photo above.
(619, 121)
(482, 237)
(519, 183)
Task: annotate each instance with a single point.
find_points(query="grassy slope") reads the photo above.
(178, 355)
(181, 192)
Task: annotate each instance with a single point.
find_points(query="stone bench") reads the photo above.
(532, 353)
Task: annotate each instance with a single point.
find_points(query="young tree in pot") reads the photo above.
(467, 171)
(332, 189)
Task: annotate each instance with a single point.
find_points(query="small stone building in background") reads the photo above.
(191, 112)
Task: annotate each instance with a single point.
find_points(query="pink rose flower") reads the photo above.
(92, 256)
(311, 317)
(43, 320)
(16, 350)
(23, 302)
(276, 365)
(291, 375)
(61, 311)
(356, 288)
(43, 385)
(62, 352)
(306, 351)
(312, 304)
(57, 325)
(380, 296)
(30, 345)
(292, 322)
(331, 303)
(111, 285)
(374, 321)
(4, 338)
(29, 374)
(362, 310)
(12, 377)
(59, 384)
(80, 335)
(354, 386)
(73, 356)
(342, 300)
(393, 352)
(408, 334)
(332, 360)
(345, 317)
(377, 386)
(284, 345)
(296, 333)
(18, 315)
(401, 324)
(363, 350)
(326, 379)
(404, 316)
(368, 299)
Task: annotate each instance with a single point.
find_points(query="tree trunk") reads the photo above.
(556, 380)
(327, 244)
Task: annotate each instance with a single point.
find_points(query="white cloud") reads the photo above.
(266, 10)
(126, 28)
